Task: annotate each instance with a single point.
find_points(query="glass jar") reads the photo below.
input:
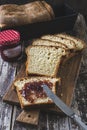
(10, 46)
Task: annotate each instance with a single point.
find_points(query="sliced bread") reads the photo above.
(48, 43)
(69, 43)
(44, 60)
(79, 44)
(30, 92)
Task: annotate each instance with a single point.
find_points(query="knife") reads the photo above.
(68, 111)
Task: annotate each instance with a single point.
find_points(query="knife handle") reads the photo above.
(79, 122)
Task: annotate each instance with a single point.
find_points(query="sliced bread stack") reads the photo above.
(72, 43)
(44, 58)
(47, 53)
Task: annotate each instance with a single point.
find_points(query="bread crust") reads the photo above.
(50, 43)
(67, 36)
(56, 38)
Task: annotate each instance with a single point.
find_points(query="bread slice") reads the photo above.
(30, 92)
(44, 60)
(79, 44)
(69, 43)
(48, 43)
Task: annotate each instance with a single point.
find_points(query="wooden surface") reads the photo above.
(47, 121)
(68, 85)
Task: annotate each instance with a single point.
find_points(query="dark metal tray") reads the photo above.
(64, 21)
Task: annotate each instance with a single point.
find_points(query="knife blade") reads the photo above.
(67, 110)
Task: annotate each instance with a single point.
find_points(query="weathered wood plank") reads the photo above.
(53, 121)
(73, 125)
(5, 115)
(7, 74)
(43, 122)
(5, 109)
(63, 123)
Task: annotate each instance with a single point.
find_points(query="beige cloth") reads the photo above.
(12, 14)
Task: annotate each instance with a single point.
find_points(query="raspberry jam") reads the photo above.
(10, 47)
(33, 90)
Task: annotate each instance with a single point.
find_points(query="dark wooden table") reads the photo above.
(47, 121)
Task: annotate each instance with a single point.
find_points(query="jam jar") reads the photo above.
(10, 46)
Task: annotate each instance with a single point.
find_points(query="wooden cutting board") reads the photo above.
(68, 73)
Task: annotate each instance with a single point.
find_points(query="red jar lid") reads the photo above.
(9, 38)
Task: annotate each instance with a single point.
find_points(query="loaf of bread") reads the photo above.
(48, 43)
(71, 42)
(14, 15)
(31, 93)
(45, 57)
(44, 60)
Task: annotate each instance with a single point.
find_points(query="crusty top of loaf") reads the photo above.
(48, 43)
(70, 44)
(79, 44)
